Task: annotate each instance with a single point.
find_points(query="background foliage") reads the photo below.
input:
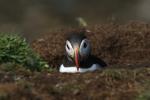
(15, 49)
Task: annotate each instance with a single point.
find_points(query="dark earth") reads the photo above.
(124, 47)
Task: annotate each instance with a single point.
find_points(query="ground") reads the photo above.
(125, 48)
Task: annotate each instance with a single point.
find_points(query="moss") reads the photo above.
(144, 96)
(4, 96)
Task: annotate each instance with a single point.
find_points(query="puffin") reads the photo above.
(78, 57)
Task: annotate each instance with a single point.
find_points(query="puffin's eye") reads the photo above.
(68, 47)
(85, 48)
(84, 45)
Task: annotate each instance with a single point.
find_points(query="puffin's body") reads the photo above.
(78, 55)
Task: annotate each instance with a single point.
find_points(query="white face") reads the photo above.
(84, 48)
(69, 49)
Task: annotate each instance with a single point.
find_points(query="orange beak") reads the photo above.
(77, 58)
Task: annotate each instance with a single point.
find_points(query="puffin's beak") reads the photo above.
(77, 58)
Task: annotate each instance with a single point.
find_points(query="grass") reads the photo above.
(15, 49)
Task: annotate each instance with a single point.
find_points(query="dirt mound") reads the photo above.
(107, 84)
(115, 44)
(126, 48)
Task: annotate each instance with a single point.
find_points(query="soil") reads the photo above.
(125, 48)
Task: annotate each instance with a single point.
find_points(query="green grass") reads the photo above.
(15, 49)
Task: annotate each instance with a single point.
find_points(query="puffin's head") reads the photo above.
(77, 48)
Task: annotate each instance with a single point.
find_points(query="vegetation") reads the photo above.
(16, 50)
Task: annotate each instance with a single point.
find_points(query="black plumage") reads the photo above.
(86, 63)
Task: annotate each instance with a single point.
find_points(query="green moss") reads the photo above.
(144, 96)
(15, 49)
(4, 96)
(145, 93)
